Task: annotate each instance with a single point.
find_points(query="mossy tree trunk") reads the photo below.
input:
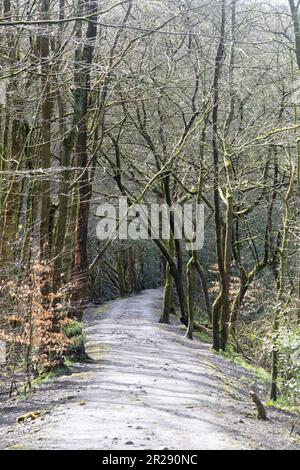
(191, 277)
(121, 273)
(281, 293)
(227, 272)
(45, 153)
(83, 62)
(168, 289)
(216, 176)
(67, 143)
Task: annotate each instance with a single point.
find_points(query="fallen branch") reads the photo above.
(202, 329)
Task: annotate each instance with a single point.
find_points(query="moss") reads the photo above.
(69, 362)
(52, 374)
(102, 308)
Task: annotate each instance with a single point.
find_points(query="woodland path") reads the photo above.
(148, 388)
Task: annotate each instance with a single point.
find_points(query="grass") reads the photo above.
(260, 372)
(52, 374)
(284, 402)
(203, 337)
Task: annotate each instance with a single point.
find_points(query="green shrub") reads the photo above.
(75, 332)
(289, 356)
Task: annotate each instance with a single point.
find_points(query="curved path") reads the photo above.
(148, 388)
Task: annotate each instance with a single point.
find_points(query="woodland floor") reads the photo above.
(148, 388)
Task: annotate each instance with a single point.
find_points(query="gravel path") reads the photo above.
(148, 388)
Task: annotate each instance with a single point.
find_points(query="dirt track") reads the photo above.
(149, 388)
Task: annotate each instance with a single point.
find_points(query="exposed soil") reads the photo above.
(148, 388)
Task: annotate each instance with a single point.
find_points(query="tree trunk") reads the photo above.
(191, 296)
(168, 290)
(64, 187)
(204, 289)
(227, 273)
(82, 82)
(45, 153)
(121, 273)
(281, 293)
(132, 277)
(215, 146)
(10, 219)
(274, 386)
